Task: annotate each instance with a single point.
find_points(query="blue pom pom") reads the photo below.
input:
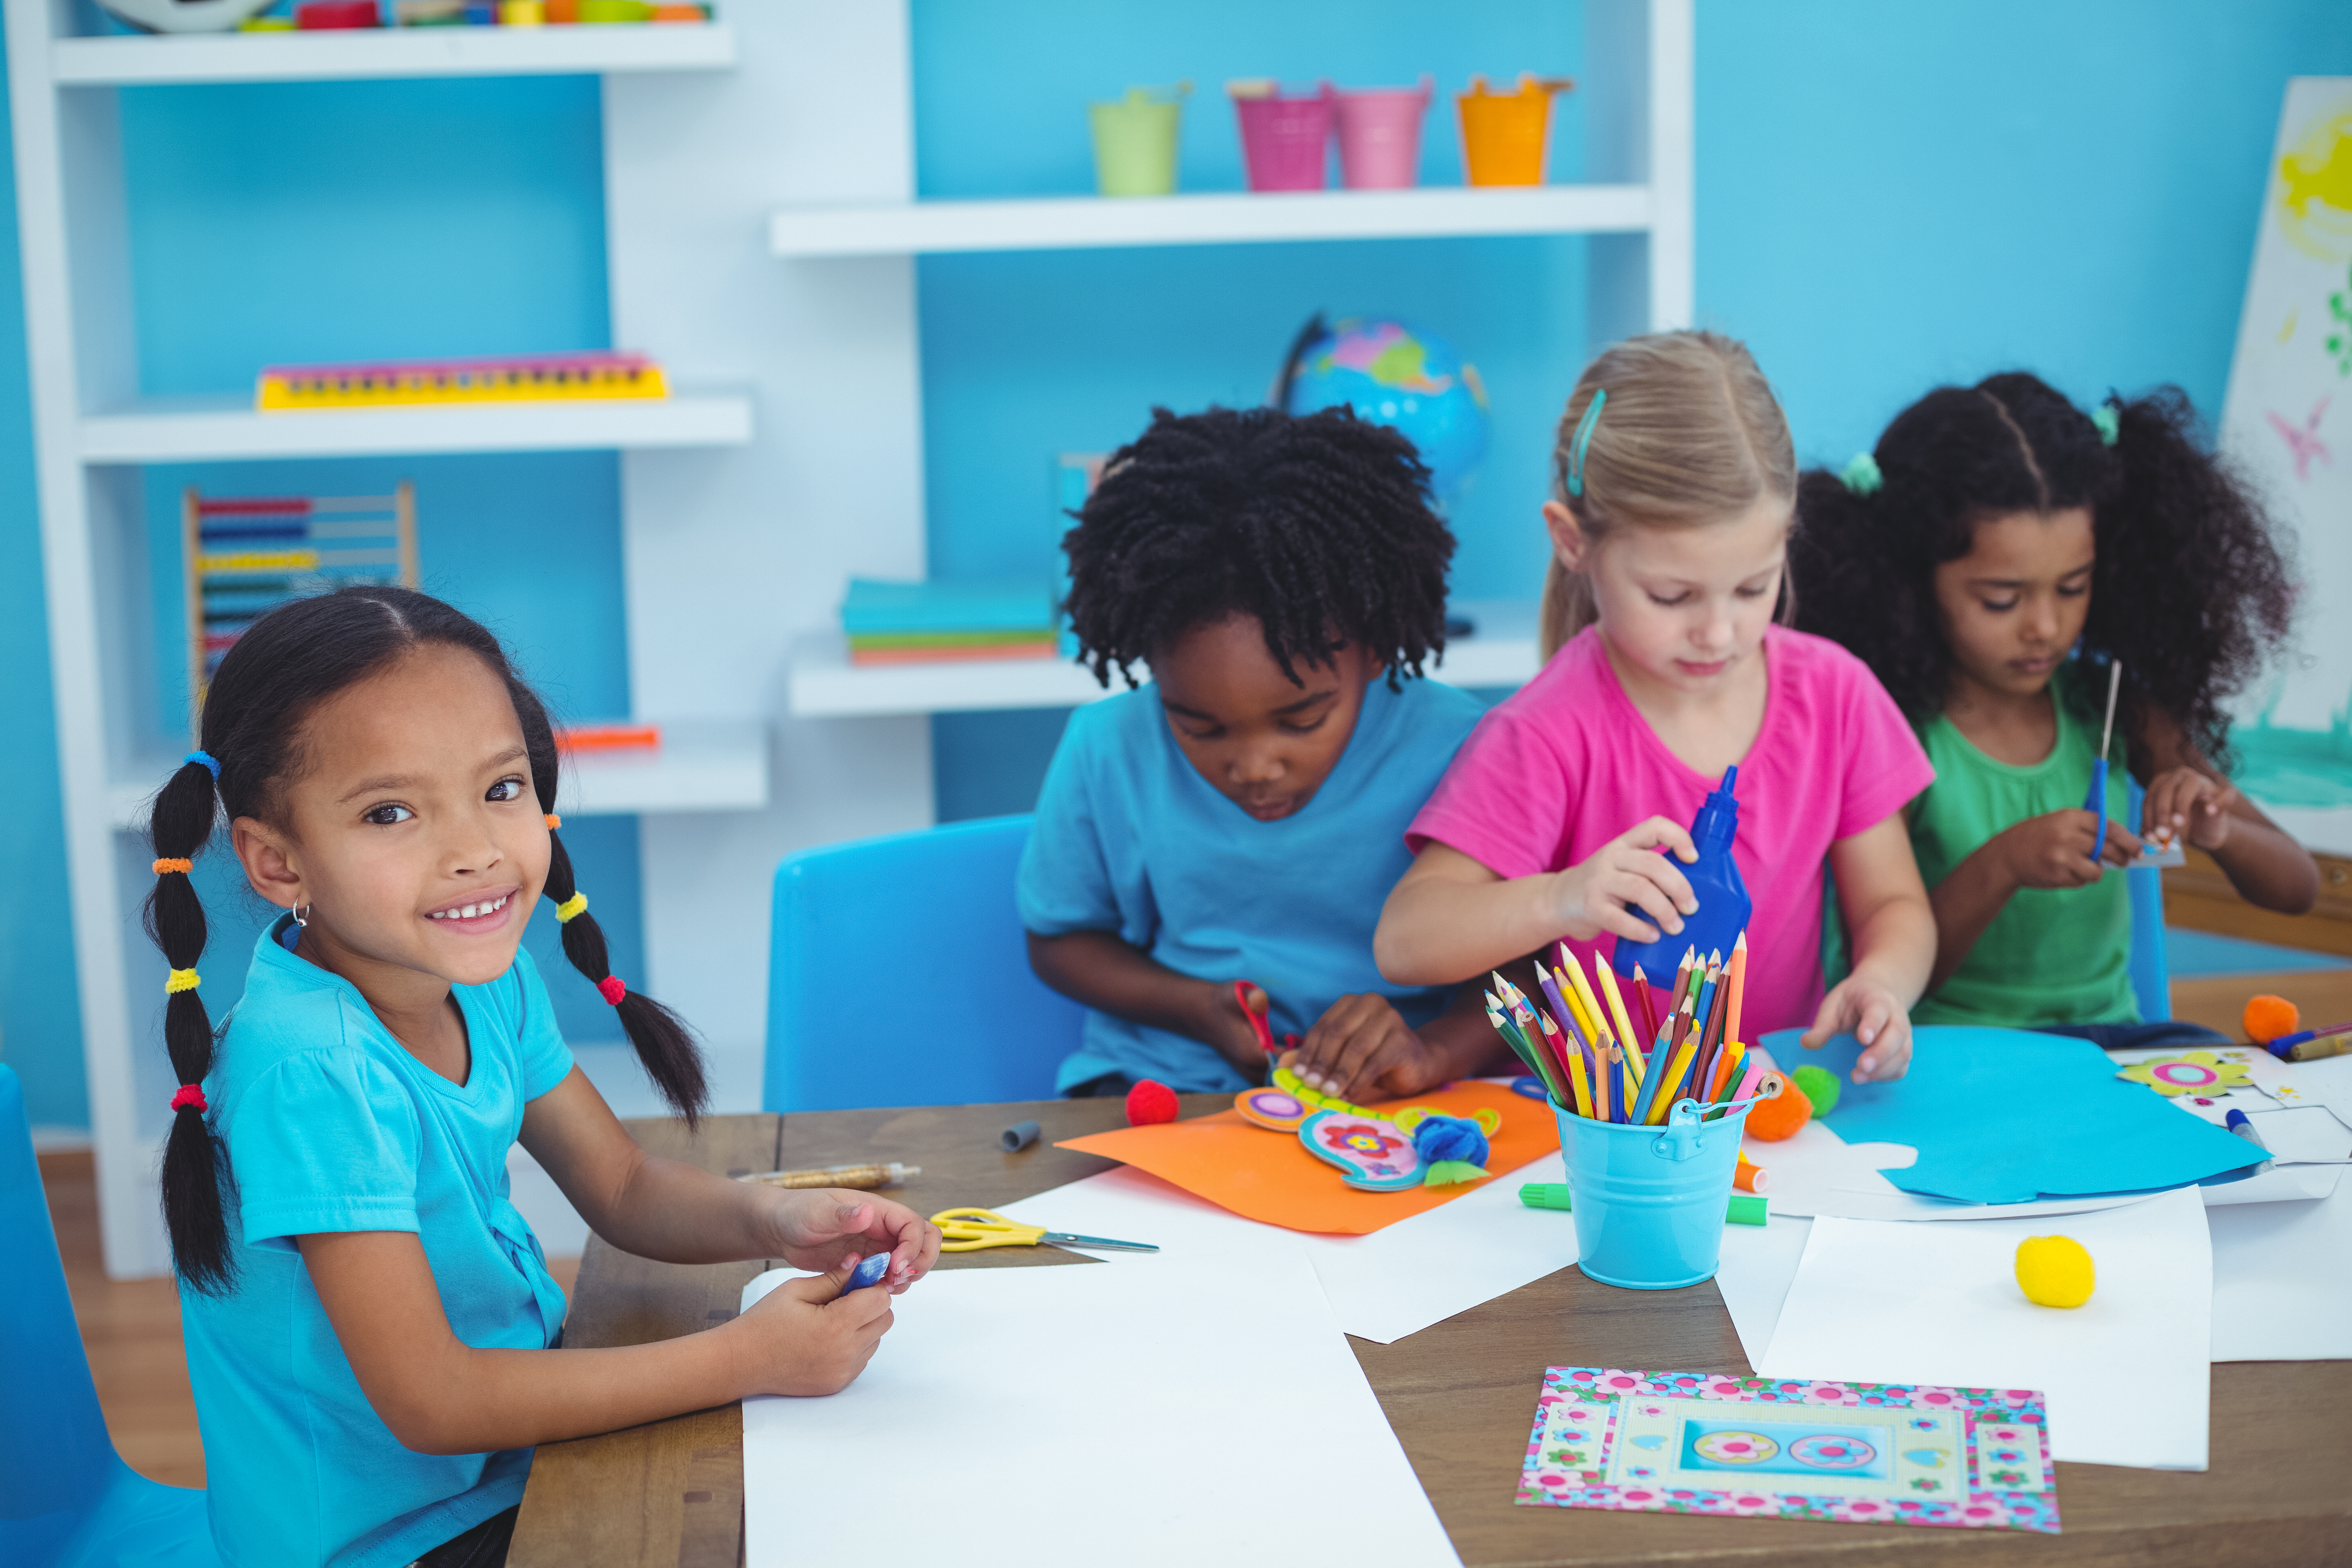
(1442, 1139)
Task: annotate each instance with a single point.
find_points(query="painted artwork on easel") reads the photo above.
(2288, 426)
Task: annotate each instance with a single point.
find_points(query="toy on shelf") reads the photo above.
(1135, 141)
(246, 555)
(947, 623)
(1505, 136)
(1380, 135)
(1283, 140)
(573, 739)
(184, 15)
(527, 378)
(1395, 374)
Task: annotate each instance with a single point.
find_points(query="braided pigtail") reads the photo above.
(178, 829)
(664, 1046)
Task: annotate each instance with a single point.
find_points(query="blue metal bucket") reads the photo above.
(1650, 1200)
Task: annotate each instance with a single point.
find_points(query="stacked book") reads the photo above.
(947, 623)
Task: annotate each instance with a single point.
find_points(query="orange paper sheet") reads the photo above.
(1270, 1177)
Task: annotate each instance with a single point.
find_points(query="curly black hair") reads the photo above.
(1318, 525)
(2189, 592)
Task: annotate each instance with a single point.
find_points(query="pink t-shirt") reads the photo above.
(1568, 762)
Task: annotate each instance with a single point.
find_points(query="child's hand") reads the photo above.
(1868, 1010)
(1593, 896)
(832, 1227)
(2053, 850)
(2190, 804)
(1361, 1049)
(805, 1337)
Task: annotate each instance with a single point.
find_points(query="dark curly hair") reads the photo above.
(2189, 590)
(1318, 525)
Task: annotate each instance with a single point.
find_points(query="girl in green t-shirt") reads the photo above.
(1989, 560)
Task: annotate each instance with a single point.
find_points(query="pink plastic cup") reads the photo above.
(1283, 139)
(1380, 136)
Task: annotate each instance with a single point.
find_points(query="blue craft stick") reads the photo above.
(867, 1274)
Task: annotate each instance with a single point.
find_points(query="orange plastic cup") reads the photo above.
(1504, 135)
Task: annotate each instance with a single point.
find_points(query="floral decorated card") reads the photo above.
(1845, 1453)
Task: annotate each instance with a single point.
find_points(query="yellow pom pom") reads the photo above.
(2054, 1271)
(181, 980)
(570, 908)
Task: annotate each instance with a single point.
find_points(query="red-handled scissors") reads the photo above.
(1242, 989)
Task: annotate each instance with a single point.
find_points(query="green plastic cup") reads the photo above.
(1135, 141)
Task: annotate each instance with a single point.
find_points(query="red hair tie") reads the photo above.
(190, 1096)
(610, 989)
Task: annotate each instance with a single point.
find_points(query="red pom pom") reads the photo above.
(610, 989)
(1149, 1103)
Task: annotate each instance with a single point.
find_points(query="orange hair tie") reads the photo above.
(182, 867)
(553, 822)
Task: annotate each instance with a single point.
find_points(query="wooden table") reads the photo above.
(1461, 1397)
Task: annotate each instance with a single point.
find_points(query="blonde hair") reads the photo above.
(1690, 433)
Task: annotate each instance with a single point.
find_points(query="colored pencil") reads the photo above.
(1617, 1012)
(1579, 1085)
(1646, 1003)
(1661, 1103)
(1739, 984)
(1560, 1007)
(1682, 977)
(1603, 1102)
(1628, 1052)
(1726, 1070)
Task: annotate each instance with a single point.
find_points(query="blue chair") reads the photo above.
(67, 1499)
(899, 975)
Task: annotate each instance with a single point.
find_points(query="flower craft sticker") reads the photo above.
(1371, 1153)
(1853, 1453)
(2191, 1072)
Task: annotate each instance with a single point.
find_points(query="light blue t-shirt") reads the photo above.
(331, 1125)
(1131, 839)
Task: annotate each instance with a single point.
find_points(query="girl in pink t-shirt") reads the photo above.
(1677, 485)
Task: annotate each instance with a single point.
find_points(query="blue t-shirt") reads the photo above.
(331, 1125)
(1131, 839)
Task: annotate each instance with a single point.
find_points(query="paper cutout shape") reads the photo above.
(1275, 1181)
(1843, 1453)
(1371, 1153)
(2191, 1072)
(2072, 1130)
(1274, 1110)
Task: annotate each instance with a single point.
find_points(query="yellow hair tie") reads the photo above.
(553, 822)
(182, 867)
(570, 907)
(181, 980)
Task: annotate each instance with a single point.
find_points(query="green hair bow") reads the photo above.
(2110, 420)
(1862, 475)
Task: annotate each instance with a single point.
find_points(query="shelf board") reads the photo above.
(701, 765)
(389, 52)
(1077, 223)
(826, 685)
(209, 429)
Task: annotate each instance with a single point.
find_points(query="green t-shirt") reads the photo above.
(2053, 956)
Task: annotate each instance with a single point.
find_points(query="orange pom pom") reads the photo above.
(1149, 1103)
(1773, 1120)
(2268, 1018)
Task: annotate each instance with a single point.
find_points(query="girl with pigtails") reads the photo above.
(371, 1327)
(1994, 560)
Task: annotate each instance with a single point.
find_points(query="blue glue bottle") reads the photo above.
(1723, 903)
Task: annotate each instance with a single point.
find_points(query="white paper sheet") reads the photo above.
(2283, 1279)
(1759, 1261)
(2126, 1372)
(1086, 1415)
(1396, 1281)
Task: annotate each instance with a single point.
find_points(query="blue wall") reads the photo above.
(1888, 198)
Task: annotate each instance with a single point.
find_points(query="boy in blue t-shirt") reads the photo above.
(1243, 816)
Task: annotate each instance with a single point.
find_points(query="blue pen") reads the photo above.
(867, 1274)
(2239, 1123)
(2098, 801)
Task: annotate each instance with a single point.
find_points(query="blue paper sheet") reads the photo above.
(2005, 1116)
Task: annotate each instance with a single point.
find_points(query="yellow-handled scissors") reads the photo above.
(970, 1230)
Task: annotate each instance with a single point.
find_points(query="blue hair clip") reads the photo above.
(1862, 475)
(211, 766)
(2109, 420)
(1583, 440)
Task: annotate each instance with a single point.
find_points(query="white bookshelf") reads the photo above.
(824, 685)
(220, 429)
(1089, 223)
(361, 55)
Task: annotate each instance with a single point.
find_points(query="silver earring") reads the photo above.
(300, 920)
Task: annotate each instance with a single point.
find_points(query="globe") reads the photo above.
(1402, 378)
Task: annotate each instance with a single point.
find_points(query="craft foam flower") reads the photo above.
(1360, 1138)
(2191, 1072)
